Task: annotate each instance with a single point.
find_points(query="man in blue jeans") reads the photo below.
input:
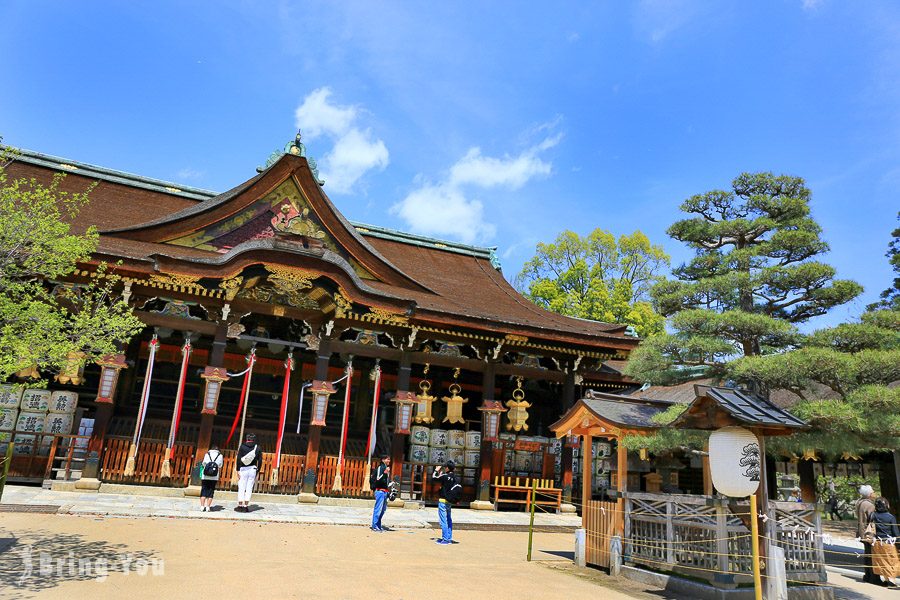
(380, 482)
(449, 494)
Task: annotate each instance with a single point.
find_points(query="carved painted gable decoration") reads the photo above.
(285, 212)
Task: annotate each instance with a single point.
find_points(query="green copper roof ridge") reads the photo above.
(113, 175)
(486, 250)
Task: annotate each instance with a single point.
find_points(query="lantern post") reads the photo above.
(735, 457)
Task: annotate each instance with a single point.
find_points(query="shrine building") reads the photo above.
(270, 276)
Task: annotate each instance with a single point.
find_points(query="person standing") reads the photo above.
(210, 469)
(249, 460)
(885, 561)
(833, 512)
(865, 508)
(380, 485)
(450, 489)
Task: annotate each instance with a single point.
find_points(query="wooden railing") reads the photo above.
(149, 459)
(698, 536)
(48, 456)
(290, 473)
(353, 474)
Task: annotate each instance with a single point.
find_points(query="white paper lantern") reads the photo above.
(734, 461)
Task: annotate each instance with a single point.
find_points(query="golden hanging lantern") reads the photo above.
(424, 400)
(73, 372)
(454, 402)
(809, 454)
(518, 413)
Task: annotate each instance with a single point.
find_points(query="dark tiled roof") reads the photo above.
(746, 408)
(624, 410)
(682, 393)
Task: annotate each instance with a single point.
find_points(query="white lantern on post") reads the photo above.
(734, 461)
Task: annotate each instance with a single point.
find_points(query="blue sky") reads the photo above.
(493, 123)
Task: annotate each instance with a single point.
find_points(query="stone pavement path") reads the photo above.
(124, 505)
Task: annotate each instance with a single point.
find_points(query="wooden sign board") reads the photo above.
(523, 446)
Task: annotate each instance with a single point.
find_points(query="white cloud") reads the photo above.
(355, 151)
(443, 210)
(811, 4)
(316, 116)
(655, 20)
(446, 208)
(188, 174)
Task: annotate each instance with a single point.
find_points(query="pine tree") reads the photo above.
(754, 276)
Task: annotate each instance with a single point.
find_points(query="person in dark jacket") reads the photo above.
(381, 488)
(445, 476)
(249, 460)
(885, 560)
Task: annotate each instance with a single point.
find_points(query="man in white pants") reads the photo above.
(249, 460)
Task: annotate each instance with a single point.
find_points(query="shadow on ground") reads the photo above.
(41, 560)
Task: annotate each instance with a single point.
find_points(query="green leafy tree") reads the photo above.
(753, 277)
(890, 298)
(597, 277)
(842, 376)
(43, 320)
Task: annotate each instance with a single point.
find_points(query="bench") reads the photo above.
(509, 490)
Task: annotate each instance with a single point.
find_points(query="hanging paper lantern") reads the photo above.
(110, 368)
(423, 403)
(405, 402)
(734, 461)
(454, 405)
(215, 377)
(321, 391)
(490, 419)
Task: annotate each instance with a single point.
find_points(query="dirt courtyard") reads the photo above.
(58, 556)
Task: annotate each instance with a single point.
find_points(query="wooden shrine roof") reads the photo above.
(145, 221)
(610, 411)
(715, 407)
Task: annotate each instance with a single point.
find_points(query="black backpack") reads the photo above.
(454, 492)
(212, 467)
(373, 479)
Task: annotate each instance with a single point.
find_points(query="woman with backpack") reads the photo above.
(249, 460)
(209, 476)
(449, 494)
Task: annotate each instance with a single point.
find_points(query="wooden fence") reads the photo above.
(353, 474)
(149, 459)
(600, 524)
(46, 456)
(290, 473)
(699, 536)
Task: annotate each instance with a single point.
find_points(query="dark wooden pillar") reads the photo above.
(807, 480)
(207, 418)
(484, 471)
(398, 441)
(315, 431)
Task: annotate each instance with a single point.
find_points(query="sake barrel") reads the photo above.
(469, 476)
(438, 456)
(544, 441)
(457, 455)
(510, 437)
(524, 461)
(35, 401)
(24, 444)
(418, 454)
(5, 437)
(58, 423)
(472, 458)
(439, 438)
(8, 418)
(509, 461)
(456, 438)
(30, 421)
(63, 402)
(604, 449)
(419, 434)
(10, 396)
(473, 439)
(555, 446)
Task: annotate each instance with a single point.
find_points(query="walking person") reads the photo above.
(833, 512)
(449, 494)
(249, 460)
(885, 561)
(865, 508)
(380, 483)
(209, 476)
